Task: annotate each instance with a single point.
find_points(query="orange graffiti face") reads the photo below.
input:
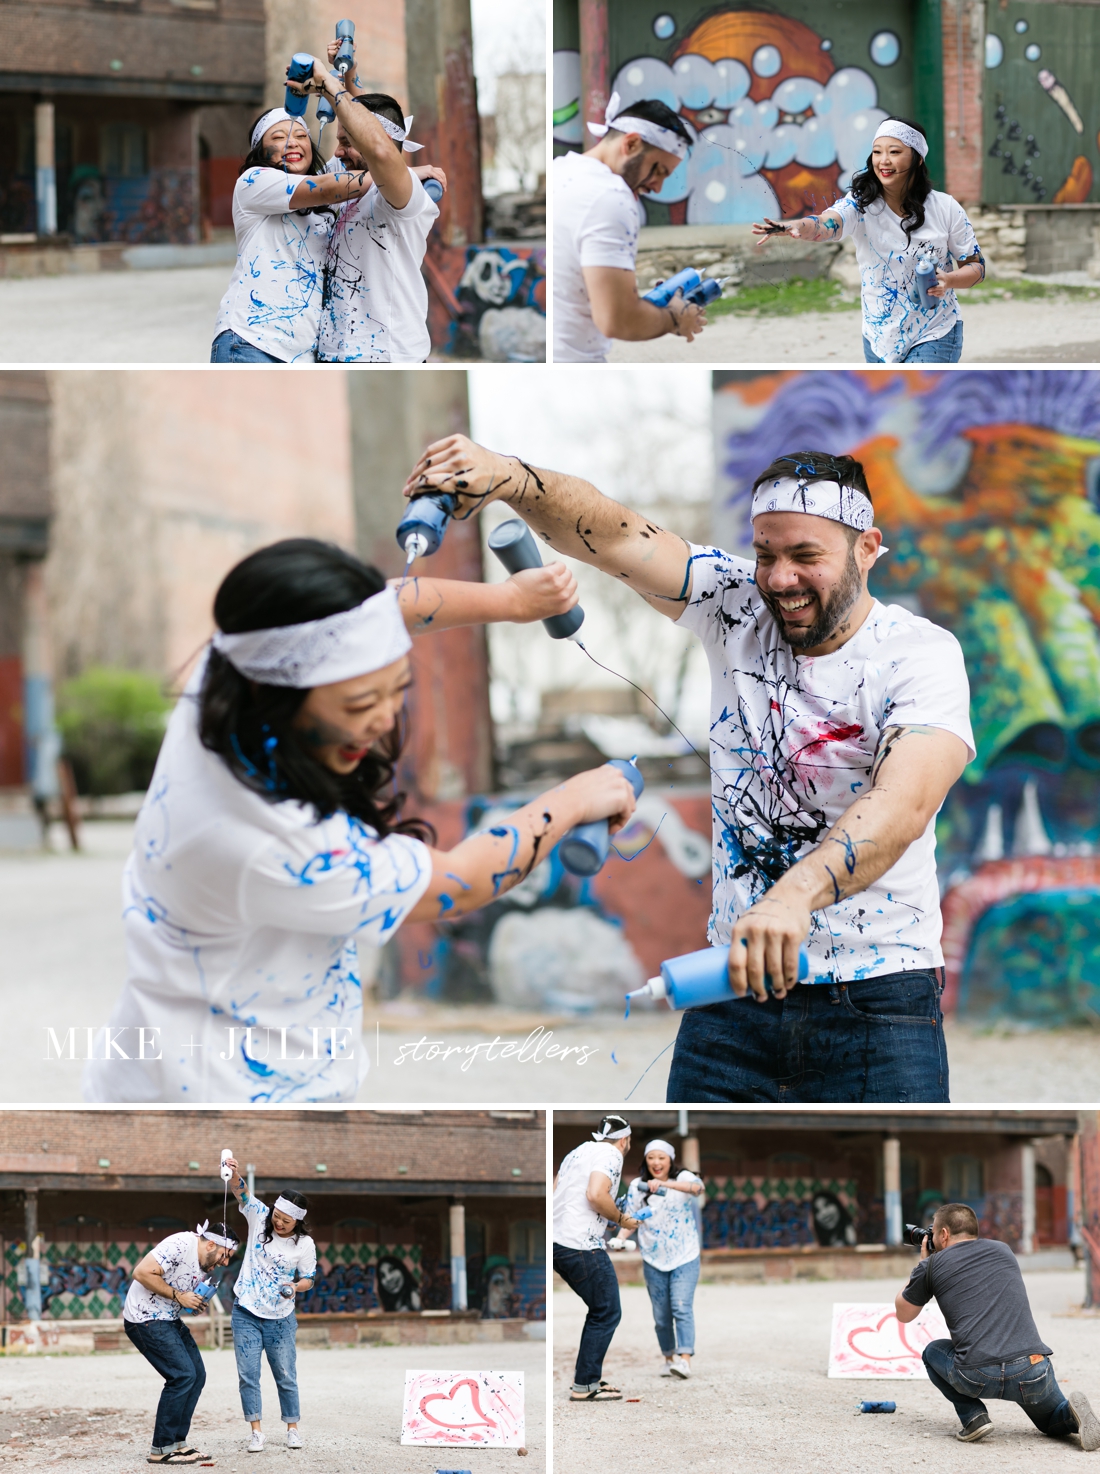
(740, 35)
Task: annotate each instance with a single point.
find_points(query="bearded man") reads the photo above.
(838, 725)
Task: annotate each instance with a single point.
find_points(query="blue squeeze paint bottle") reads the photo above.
(924, 278)
(584, 849)
(300, 70)
(433, 189)
(699, 978)
(695, 289)
(876, 1407)
(514, 545)
(421, 529)
(344, 59)
(207, 1289)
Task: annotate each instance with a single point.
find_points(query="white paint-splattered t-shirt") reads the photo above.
(265, 1267)
(577, 1225)
(274, 298)
(239, 912)
(893, 319)
(596, 222)
(376, 299)
(792, 742)
(178, 1257)
(671, 1237)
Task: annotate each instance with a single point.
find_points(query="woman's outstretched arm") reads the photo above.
(443, 603)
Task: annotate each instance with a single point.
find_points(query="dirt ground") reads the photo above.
(761, 1399)
(65, 962)
(95, 1413)
(1041, 331)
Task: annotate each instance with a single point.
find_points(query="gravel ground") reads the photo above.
(64, 957)
(96, 1412)
(761, 1400)
(1042, 331)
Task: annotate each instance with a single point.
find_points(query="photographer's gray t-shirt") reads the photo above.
(979, 1288)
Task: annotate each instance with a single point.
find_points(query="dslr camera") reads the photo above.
(917, 1236)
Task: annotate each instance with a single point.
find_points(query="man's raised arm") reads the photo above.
(568, 514)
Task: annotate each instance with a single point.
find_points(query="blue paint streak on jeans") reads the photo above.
(252, 1336)
(880, 1040)
(169, 1347)
(947, 349)
(590, 1274)
(1031, 1384)
(671, 1293)
(229, 348)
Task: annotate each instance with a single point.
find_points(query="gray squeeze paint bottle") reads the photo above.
(924, 278)
(584, 849)
(514, 545)
(699, 978)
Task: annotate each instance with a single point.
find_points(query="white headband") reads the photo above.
(818, 498)
(611, 1135)
(651, 133)
(214, 1238)
(351, 643)
(292, 1210)
(399, 135)
(276, 115)
(904, 134)
(660, 1146)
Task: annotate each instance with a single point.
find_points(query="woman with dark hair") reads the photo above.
(899, 222)
(271, 839)
(280, 1262)
(669, 1244)
(397, 1287)
(282, 215)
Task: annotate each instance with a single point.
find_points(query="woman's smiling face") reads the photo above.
(339, 724)
(891, 160)
(288, 146)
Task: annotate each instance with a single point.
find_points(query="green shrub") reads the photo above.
(111, 723)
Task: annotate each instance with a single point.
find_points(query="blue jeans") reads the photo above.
(947, 349)
(671, 1292)
(877, 1040)
(590, 1274)
(169, 1347)
(229, 348)
(253, 1335)
(1031, 1384)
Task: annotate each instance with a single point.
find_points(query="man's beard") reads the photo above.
(636, 168)
(843, 596)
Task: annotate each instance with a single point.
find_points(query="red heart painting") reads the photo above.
(446, 1397)
(871, 1356)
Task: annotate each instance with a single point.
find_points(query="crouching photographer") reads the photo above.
(995, 1349)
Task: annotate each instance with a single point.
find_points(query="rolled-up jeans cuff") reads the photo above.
(584, 1387)
(168, 1448)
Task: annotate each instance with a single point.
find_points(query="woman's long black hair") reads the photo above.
(301, 1226)
(256, 158)
(867, 186)
(250, 726)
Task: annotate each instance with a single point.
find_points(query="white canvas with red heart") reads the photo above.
(868, 1340)
(464, 1409)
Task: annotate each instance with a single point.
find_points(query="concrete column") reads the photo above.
(891, 1178)
(689, 1151)
(39, 727)
(1027, 1183)
(32, 1290)
(595, 72)
(1073, 1191)
(45, 169)
(458, 1256)
(443, 101)
(250, 1179)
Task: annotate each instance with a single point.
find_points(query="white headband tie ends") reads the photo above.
(661, 1146)
(609, 1131)
(912, 137)
(322, 651)
(399, 135)
(214, 1238)
(292, 1210)
(651, 133)
(844, 504)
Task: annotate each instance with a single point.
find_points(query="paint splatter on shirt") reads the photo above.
(274, 298)
(376, 300)
(266, 1267)
(577, 1225)
(792, 743)
(244, 915)
(671, 1237)
(178, 1257)
(893, 319)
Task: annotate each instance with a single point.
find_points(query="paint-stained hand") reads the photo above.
(602, 793)
(474, 475)
(766, 941)
(189, 1301)
(540, 593)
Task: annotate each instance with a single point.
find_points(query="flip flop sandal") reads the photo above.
(177, 1456)
(603, 1393)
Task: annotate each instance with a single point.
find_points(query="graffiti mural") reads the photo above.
(784, 105)
(987, 487)
(1041, 110)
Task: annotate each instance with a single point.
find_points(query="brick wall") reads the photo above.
(963, 79)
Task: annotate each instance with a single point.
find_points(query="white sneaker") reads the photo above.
(678, 1367)
(256, 1446)
(666, 1369)
(293, 1438)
